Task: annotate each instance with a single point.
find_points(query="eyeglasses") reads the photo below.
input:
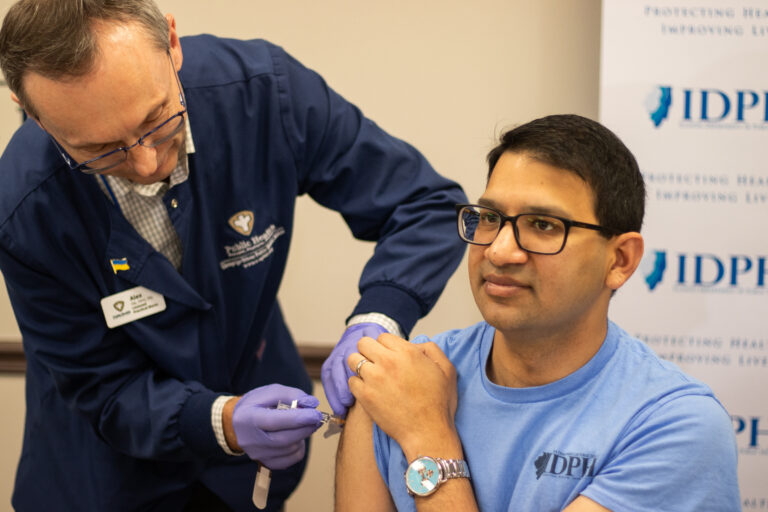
(156, 136)
(534, 233)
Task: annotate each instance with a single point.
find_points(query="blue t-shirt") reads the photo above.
(628, 430)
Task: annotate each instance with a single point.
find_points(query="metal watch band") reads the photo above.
(426, 474)
(452, 468)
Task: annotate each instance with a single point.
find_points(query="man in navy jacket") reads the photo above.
(145, 215)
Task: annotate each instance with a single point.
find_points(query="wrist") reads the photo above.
(387, 323)
(444, 444)
(425, 475)
(229, 429)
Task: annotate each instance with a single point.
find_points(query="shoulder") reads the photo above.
(671, 407)
(43, 204)
(673, 434)
(637, 362)
(456, 342)
(657, 396)
(211, 61)
(685, 443)
(29, 161)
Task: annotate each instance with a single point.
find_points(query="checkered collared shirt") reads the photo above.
(142, 205)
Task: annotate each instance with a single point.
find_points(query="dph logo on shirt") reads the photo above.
(565, 465)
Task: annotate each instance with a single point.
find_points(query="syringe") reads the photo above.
(335, 423)
(264, 475)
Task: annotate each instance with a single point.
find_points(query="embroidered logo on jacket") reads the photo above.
(256, 249)
(565, 465)
(242, 222)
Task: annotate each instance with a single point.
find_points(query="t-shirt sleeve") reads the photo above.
(659, 463)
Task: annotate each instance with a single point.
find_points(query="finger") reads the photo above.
(436, 354)
(342, 398)
(273, 451)
(287, 460)
(308, 401)
(335, 374)
(392, 342)
(331, 386)
(367, 338)
(270, 395)
(339, 400)
(272, 420)
(356, 387)
(362, 393)
(357, 362)
(433, 351)
(365, 341)
(371, 349)
(283, 438)
(353, 360)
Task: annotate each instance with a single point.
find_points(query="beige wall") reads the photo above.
(444, 75)
(11, 430)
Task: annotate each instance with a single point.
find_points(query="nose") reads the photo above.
(505, 250)
(143, 160)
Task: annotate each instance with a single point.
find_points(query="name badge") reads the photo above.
(131, 305)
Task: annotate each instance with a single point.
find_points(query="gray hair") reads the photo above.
(55, 38)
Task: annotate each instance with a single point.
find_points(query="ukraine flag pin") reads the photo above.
(119, 264)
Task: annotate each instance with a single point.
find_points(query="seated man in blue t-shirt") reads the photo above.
(547, 405)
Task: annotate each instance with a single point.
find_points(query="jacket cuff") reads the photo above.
(393, 301)
(195, 426)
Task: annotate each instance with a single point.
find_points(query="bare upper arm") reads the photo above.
(358, 481)
(584, 504)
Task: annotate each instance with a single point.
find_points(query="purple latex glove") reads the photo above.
(335, 372)
(274, 437)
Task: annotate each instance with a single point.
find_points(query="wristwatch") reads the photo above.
(425, 474)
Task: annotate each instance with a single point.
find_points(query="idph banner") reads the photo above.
(685, 85)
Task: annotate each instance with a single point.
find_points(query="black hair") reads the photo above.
(591, 151)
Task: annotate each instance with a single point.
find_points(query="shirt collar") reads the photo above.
(122, 186)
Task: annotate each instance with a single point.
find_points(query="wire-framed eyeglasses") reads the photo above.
(534, 232)
(156, 136)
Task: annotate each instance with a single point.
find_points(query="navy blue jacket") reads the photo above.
(119, 419)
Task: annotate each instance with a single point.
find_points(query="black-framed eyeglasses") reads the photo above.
(534, 232)
(156, 136)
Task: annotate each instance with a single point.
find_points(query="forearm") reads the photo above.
(453, 494)
(358, 481)
(410, 392)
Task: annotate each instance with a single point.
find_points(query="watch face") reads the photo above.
(422, 476)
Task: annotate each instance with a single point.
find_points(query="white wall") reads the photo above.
(446, 76)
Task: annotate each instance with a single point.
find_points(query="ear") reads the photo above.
(17, 101)
(175, 44)
(627, 251)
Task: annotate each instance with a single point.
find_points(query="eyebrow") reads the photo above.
(156, 110)
(541, 209)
